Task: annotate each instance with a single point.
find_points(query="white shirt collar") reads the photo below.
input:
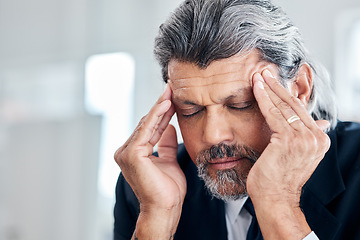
(233, 208)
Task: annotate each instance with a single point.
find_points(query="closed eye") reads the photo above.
(188, 115)
(241, 107)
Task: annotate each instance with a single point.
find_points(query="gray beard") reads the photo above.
(228, 185)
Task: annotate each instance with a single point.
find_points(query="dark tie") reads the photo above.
(254, 232)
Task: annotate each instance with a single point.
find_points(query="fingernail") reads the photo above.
(267, 73)
(165, 104)
(258, 77)
(260, 84)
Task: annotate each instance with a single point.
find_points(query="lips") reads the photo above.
(224, 163)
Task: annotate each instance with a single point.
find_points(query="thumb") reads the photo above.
(322, 124)
(168, 145)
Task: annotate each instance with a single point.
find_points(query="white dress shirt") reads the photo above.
(238, 221)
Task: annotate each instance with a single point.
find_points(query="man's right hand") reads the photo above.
(158, 182)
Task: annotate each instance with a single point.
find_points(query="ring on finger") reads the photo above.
(293, 119)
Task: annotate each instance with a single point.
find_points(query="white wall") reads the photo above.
(317, 21)
(48, 179)
(49, 146)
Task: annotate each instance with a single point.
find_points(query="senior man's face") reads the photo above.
(223, 129)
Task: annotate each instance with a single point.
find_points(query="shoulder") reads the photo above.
(348, 129)
(330, 197)
(346, 139)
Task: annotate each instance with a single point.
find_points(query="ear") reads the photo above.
(302, 85)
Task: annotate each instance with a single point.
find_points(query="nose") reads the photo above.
(217, 129)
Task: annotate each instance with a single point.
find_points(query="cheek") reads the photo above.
(253, 131)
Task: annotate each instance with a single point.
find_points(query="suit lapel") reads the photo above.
(324, 186)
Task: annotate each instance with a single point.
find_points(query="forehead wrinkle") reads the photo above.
(233, 94)
(237, 70)
(239, 91)
(180, 80)
(209, 84)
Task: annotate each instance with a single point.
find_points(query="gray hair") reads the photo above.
(202, 31)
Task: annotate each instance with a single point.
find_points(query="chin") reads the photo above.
(227, 185)
(224, 169)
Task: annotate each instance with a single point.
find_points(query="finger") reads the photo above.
(147, 130)
(144, 131)
(323, 124)
(131, 138)
(168, 145)
(285, 109)
(271, 113)
(287, 97)
(162, 125)
(166, 95)
(164, 120)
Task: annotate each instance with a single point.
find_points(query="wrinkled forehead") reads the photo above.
(236, 70)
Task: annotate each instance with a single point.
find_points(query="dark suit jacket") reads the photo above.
(330, 199)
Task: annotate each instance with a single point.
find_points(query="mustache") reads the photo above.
(223, 150)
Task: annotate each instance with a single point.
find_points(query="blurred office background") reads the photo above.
(77, 75)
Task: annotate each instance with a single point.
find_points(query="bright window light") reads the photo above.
(347, 64)
(109, 83)
(357, 49)
(354, 71)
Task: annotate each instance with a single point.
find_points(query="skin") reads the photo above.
(234, 100)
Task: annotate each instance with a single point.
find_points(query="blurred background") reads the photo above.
(75, 78)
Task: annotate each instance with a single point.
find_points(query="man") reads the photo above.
(253, 110)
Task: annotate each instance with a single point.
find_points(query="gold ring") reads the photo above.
(293, 119)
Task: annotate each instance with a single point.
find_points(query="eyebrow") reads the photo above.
(247, 91)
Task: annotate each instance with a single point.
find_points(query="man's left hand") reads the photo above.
(297, 145)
